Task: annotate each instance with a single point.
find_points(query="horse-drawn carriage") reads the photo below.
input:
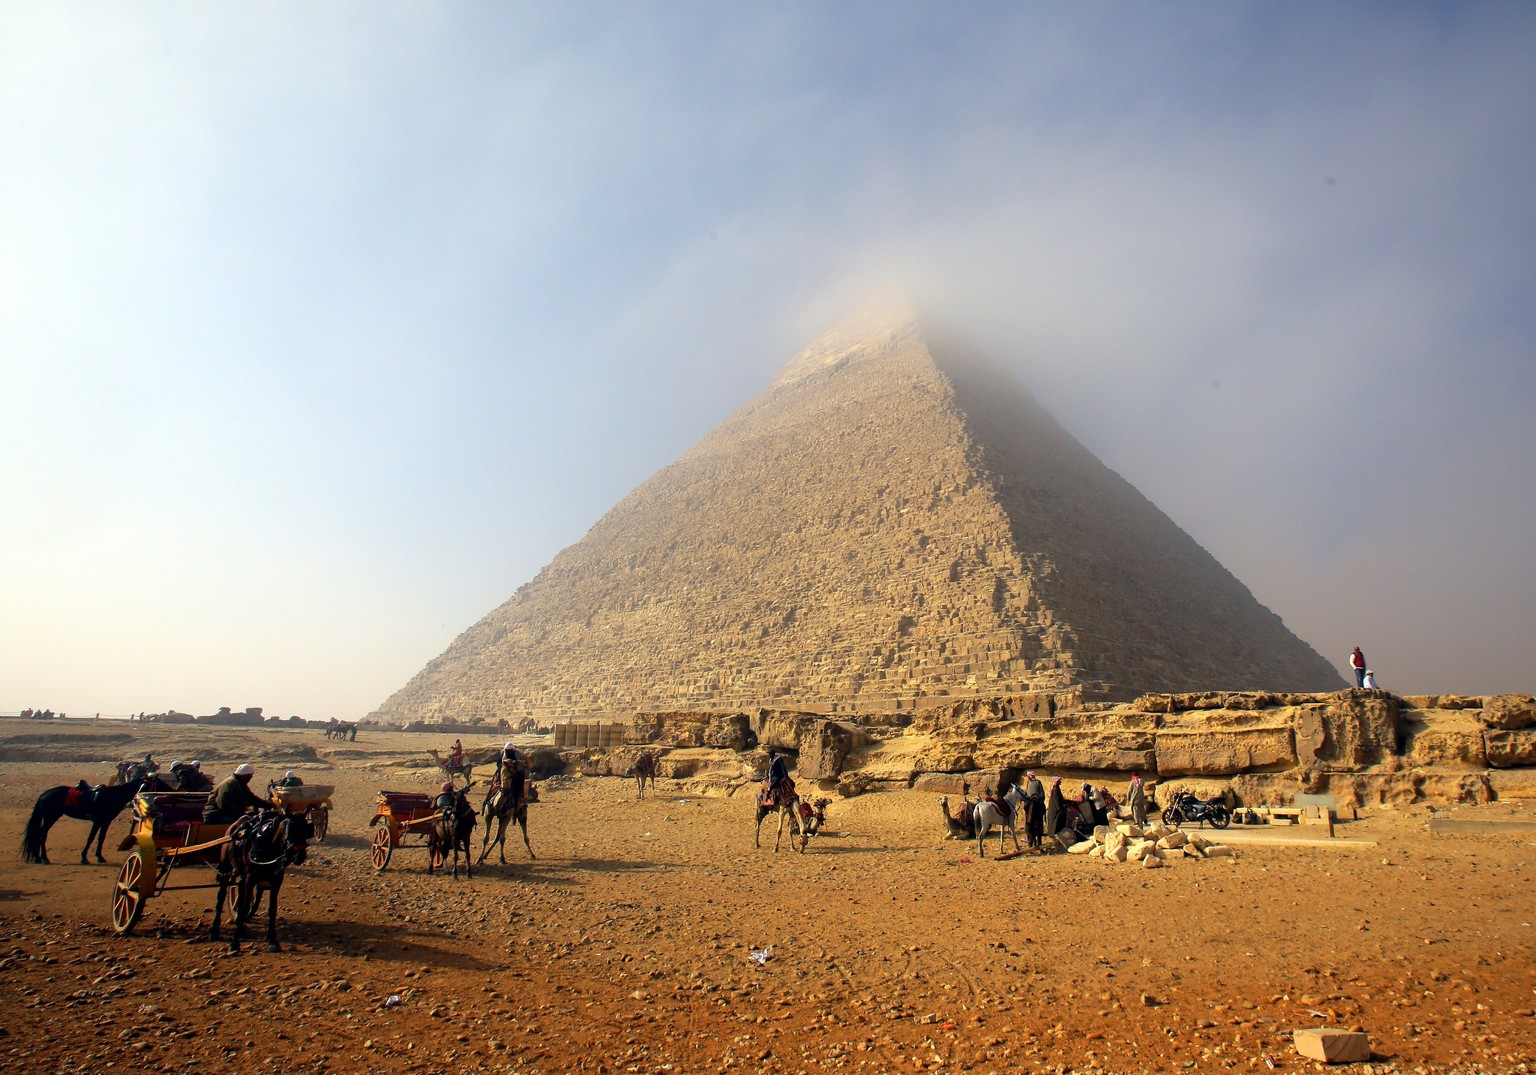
(311, 800)
(401, 815)
(168, 832)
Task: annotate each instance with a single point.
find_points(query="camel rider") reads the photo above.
(233, 797)
(777, 783)
(193, 778)
(518, 784)
(291, 779)
(456, 756)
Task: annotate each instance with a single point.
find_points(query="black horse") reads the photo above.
(100, 806)
(451, 833)
(261, 848)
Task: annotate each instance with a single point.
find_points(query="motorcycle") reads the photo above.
(1186, 807)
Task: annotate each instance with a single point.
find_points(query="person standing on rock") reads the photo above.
(1136, 799)
(1357, 662)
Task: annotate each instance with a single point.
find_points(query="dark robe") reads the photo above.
(1055, 811)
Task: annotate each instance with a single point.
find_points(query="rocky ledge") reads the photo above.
(1361, 746)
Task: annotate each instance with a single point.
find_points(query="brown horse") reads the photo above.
(450, 833)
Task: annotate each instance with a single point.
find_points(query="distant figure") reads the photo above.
(1357, 662)
(1369, 683)
(456, 755)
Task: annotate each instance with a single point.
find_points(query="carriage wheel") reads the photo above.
(383, 844)
(321, 819)
(127, 900)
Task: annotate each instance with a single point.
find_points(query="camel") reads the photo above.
(960, 828)
(644, 771)
(505, 802)
(449, 771)
(786, 803)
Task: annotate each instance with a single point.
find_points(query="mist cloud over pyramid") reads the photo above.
(892, 523)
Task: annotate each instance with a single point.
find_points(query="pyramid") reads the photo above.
(886, 527)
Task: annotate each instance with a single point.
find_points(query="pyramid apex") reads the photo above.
(874, 324)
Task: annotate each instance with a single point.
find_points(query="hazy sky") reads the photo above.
(324, 327)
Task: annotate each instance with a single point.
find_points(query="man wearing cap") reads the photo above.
(234, 797)
(291, 779)
(193, 778)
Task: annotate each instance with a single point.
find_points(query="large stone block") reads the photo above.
(1332, 1046)
(1354, 730)
(722, 731)
(1186, 752)
(1510, 750)
(1508, 712)
(1437, 739)
(824, 746)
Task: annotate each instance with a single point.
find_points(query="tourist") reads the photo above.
(1369, 682)
(193, 778)
(1136, 799)
(233, 797)
(1357, 663)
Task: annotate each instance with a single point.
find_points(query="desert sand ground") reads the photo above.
(624, 947)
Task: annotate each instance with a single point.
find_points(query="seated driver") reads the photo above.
(234, 797)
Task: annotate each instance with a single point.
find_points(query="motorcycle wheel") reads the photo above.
(1172, 816)
(1219, 818)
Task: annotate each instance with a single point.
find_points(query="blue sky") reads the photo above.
(322, 329)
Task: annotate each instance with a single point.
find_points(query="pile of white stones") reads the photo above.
(1151, 846)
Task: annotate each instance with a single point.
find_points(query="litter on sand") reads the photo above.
(760, 955)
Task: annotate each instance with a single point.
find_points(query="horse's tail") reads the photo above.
(33, 838)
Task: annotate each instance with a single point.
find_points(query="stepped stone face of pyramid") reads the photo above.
(884, 528)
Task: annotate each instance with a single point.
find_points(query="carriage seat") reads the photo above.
(405, 802)
(178, 811)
